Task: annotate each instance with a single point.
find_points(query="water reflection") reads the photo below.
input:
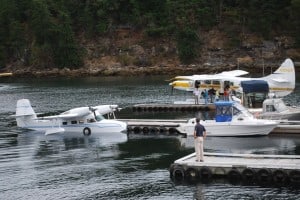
(57, 167)
(151, 153)
(259, 145)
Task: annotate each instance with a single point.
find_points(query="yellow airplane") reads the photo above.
(5, 74)
(281, 82)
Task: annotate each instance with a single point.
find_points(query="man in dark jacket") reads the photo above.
(199, 135)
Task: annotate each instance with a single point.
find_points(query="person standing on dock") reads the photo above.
(196, 94)
(199, 135)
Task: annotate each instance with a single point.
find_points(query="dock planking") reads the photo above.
(280, 170)
(244, 160)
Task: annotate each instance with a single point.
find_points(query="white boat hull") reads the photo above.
(213, 128)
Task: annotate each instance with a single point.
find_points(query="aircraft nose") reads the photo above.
(123, 125)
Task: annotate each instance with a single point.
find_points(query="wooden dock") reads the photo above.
(247, 168)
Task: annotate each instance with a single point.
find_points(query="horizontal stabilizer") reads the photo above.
(280, 80)
(54, 130)
(24, 115)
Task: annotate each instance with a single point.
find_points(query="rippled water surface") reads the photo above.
(34, 166)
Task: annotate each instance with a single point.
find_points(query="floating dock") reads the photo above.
(280, 170)
(173, 107)
(153, 127)
(170, 127)
(287, 127)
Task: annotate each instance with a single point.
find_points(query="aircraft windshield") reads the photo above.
(99, 118)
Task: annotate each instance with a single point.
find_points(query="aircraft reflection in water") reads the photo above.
(78, 121)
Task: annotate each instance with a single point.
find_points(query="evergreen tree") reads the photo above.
(188, 44)
(12, 33)
(44, 33)
(66, 53)
(295, 19)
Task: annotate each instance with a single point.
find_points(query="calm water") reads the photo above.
(33, 166)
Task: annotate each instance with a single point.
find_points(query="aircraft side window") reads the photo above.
(226, 83)
(81, 121)
(91, 120)
(216, 82)
(74, 122)
(65, 123)
(207, 82)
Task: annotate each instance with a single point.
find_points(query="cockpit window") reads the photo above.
(99, 118)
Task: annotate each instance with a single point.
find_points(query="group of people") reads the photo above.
(212, 95)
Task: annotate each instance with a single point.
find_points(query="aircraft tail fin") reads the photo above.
(285, 74)
(24, 112)
(286, 71)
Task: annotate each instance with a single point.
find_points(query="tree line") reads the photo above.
(47, 33)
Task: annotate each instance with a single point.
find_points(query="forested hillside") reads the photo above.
(47, 34)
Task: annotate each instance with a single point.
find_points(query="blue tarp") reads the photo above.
(260, 86)
(223, 111)
(224, 103)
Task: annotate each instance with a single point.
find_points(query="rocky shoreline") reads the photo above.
(140, 71)
(128, 54)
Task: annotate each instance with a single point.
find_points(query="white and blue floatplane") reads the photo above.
(83, 120)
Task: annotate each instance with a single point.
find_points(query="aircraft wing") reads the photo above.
(234, 73)
(62, 116)
(181, 78)
(54, 131)
(105, 109)
(219, 76)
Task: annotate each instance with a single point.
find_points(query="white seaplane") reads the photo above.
(82, 120)
(281, 82)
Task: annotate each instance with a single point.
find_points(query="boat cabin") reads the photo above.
(226, 111)
(274, 105)
(254, 93)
